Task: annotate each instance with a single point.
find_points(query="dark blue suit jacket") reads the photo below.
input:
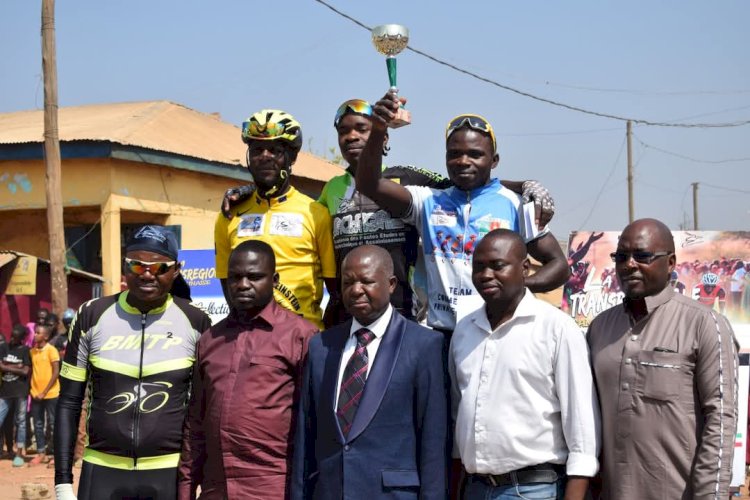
(398, 445)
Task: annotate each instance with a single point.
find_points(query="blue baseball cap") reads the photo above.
(157, 239)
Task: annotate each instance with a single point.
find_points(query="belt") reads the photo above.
(542, 473)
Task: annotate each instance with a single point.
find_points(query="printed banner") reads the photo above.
(712, 267)
(199, 271)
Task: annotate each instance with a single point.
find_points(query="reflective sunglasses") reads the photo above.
(352, 106)
(155, 268)
(252, 129)
(474, 122)
(639, 257)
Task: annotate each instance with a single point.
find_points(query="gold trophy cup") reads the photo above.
(390, 40)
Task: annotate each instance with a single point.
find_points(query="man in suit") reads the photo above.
(373, 419)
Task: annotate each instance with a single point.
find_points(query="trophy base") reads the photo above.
(403, 117)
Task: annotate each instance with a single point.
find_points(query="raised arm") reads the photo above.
(392, 197)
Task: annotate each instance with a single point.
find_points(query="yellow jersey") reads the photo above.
(299, 231)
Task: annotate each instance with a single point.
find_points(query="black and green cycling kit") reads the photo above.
(138, 368)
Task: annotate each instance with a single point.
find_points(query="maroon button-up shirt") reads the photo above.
(238, 433)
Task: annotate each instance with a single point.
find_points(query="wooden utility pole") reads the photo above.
(695, 206)
(55, 228)
(629, 133)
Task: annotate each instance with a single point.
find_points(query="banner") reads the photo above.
(712, 267)
(199, 271)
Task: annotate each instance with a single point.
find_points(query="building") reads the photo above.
(124, 165)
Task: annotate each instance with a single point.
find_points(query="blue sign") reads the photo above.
(199, 271)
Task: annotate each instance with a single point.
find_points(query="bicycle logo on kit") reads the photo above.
(149, 402)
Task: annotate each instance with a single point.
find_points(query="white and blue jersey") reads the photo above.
(451, 222)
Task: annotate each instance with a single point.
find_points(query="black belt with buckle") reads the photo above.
(542, 473)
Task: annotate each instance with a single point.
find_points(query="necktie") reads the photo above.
(353, 381)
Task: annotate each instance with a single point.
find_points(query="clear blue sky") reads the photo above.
(659, 61)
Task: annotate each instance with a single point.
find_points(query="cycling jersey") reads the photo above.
(299, 231)
(138, 367)
(708, 298)
(357, 220)
(451, 222)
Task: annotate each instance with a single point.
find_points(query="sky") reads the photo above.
(677, 62)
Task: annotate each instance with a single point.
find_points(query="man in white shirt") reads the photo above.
(524, 403)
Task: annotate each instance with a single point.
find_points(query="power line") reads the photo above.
(725, 188)
(601, 190)
(688, 158)
(543, 99)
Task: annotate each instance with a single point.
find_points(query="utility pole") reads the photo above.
(695, 206)
(630, 171)
(55, 227)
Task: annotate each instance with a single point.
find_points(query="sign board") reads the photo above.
(199, 271)
(23, 280)
(593, 286)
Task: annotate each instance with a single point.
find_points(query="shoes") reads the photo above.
(38, 459)
(18, 461)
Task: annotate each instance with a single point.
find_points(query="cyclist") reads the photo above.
(708, 291)
(357, 220)
(135, 350)
(297, 228)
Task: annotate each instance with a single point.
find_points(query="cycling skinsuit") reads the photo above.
(138, 367)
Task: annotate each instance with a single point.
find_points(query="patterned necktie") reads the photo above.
(353, 381)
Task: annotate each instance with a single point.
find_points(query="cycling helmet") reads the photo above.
(68, 316)
(272, 125)
(673, 276)
(710, 279)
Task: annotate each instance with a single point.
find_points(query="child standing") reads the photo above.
(45, 387)
(15, 368)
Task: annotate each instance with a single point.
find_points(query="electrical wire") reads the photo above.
(570, 107)
(734, 190)
(688, 158)
(604, 185)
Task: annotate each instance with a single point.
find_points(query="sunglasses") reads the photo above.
(474, 122)
(639, 257)
(352, 106)
(155, 268)
(270, 130)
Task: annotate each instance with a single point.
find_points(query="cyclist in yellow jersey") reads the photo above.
(293, 224)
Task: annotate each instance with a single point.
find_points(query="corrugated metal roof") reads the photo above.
(157, 125)
(8, 256)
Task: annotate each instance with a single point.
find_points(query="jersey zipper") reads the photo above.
(137, 415)
(467, 217)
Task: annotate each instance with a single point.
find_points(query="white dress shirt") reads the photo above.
(523, 394)
(377, 327)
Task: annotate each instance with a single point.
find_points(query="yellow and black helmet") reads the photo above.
(272, 125)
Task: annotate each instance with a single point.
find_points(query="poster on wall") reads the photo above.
(712, 267)
(23, 280)
(199, 271)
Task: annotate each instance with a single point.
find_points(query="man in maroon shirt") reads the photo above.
(237, 439)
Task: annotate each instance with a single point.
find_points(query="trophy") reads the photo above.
(389, 40)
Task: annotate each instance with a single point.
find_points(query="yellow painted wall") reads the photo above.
(112, 192)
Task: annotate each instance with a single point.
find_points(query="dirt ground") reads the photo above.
(14, 480)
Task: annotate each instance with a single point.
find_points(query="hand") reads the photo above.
(544, 205)
(40, 396)
(64, 492)
(235, 196)
(385, 109)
